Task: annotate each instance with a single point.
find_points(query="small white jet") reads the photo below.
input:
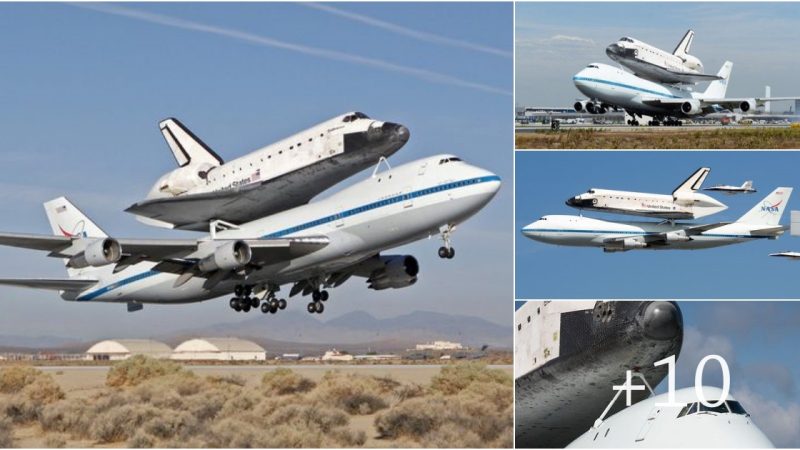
(274, 178)
(657, 65)
(610, 87)
(313, 247)
(761, 222)
(690, 425)
(745, 188)
(684, 202)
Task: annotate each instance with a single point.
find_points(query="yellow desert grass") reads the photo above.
(152, 403)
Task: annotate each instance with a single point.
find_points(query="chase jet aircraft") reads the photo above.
(657, 65)
(761, 222)
(684, 202)
(311, 247)
(277, 177)
(745, 188)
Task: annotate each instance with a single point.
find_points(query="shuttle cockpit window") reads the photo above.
(626, 39)
(360, 115)
(590, 191)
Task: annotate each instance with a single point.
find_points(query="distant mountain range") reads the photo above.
(293, 331)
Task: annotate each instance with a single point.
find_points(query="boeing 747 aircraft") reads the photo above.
(277, 177)
(761, 222)
(613, 88)
(313, 247)
(684, 202)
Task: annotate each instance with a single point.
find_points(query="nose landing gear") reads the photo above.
(447, 251)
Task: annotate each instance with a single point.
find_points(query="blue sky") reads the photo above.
(85, 87)
(555, 40)
(546, 179)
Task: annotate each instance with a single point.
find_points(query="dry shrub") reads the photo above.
(6, 440)
(356, 394)
(119, 424)
(407, 391)
(72, 416)
(450, 435)
(452, 379)
(139, 368)
(141, 440)
(235, 380)
(179, 424)
(283, 381)
(43, 390)
(13, 379)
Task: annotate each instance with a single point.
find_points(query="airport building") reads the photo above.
(440, 345)
(119, 349)
(219, 349)
(335, 355)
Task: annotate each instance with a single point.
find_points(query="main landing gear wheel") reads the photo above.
(235, 304)
(282, 303)
(246, 307)
(323, 296)
(315, 307)
(265, 307)
(447, 253)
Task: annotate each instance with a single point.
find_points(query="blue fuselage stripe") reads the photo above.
(635, 233)
(314, 223)
(626, 86)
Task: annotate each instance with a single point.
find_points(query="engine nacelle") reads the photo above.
(228, 256)
(580, 106)
(747, 105)
(98, 253)
(398, 271)
(182, 180)
(625, 244)
(678, 236)
(691, 107)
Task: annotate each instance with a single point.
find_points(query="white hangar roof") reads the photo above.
(213, 345)
(129, 346)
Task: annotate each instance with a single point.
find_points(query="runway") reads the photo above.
(642, 128)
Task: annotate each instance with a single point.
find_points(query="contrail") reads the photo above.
(415, 34)
(265, 41)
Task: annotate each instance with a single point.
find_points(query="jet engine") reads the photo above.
(625, 244)
(98, 253)
(398, 271)
(230, 256)
(595, 108)
(691, 107)
(747, 105)
(580, 106)
(678, 236)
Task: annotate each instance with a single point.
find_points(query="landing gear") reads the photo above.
(243, 301)
(447, 251)
(633, 123)
(315, 307)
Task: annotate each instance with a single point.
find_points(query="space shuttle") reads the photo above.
(657, 65)
(569, 354)
(684, 202)
(205, 190)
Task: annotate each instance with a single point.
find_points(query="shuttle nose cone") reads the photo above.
(397, 131)
(577, 202)
(662, 320)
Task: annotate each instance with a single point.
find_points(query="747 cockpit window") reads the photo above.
(726, 407)
(592, 66)
(447, 160)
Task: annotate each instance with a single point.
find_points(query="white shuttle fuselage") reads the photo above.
(690, 206)
(274, 178)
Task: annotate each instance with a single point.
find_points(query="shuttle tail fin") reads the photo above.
(683, 46)
(69, 221)
(747, 185)
(694, 182)
(718, 88)
(768, 211)
(186, 147)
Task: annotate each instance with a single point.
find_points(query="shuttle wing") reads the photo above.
(57, 284)
(790, 255)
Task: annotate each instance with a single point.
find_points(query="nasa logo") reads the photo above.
(79, 230)
(772, 209)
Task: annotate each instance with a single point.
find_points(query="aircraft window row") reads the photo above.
(447, 160)
(729, 406)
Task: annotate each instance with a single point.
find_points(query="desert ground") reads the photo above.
(149, 403)
(662, 138)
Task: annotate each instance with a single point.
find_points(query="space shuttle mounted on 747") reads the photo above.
(280, 176)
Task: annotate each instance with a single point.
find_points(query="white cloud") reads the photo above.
(778, 422)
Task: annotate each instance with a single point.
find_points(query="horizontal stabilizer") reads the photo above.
(50, 283)
(790, 255)
(35, 241)
(771, 231)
